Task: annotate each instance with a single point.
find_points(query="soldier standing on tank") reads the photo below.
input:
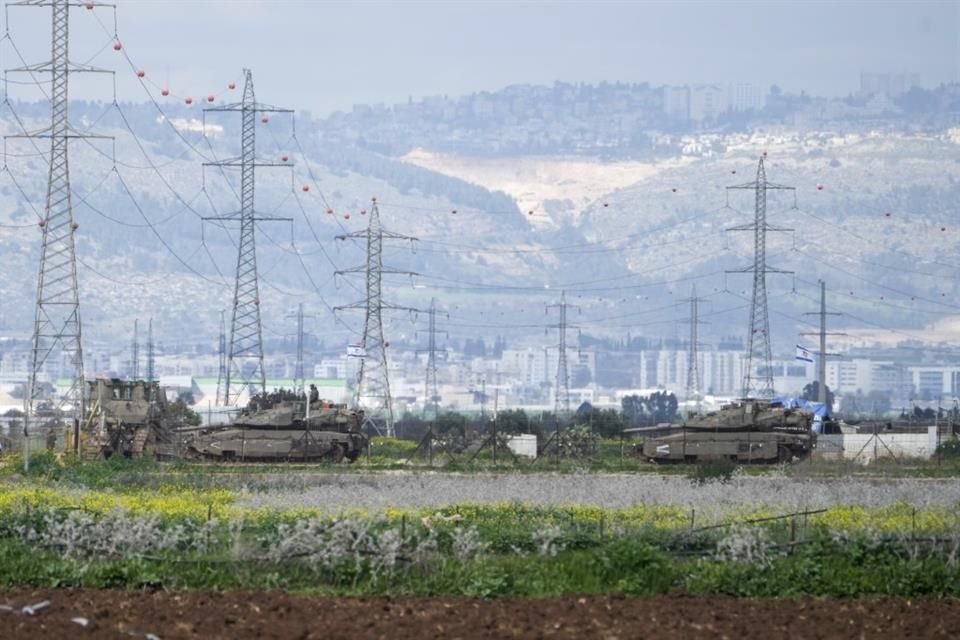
(314, 394)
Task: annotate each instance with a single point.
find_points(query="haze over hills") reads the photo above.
(628, 212)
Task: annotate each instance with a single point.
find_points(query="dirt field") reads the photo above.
(117, 614)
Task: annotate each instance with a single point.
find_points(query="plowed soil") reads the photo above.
(79, 614)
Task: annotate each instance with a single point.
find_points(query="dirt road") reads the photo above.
(80, 614)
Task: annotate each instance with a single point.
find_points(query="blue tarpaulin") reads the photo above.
(818, 409)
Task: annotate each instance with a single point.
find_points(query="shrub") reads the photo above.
(949, 448)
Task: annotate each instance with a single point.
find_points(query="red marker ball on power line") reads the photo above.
(346, 216)
(188, 100)
(284, 158)
(210, 98)
(330, 211)
(306, 187)
(164, 91)
(141, 73)
(232, 86)
(117, 46)
(264, 119)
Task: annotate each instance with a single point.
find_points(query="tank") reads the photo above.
(129, 418)
(749, 431)
(284, 430)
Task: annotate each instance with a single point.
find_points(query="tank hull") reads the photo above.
(745, 447)
(749, 431)
(237, 444)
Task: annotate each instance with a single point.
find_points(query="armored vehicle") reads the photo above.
(129, 418)
(289, 429)
(746, 431)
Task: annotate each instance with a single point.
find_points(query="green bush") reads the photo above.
(949, 448)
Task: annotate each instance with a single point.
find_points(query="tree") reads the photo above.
(811, 393)
(181, 413)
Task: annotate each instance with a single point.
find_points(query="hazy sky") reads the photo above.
(324, 56)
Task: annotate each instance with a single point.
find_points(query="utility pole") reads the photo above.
(136, 350)
(823, 355)
(222, 359)
(758, 373)
(150, 355)
(561, 400)
(246, 335)
(694, 380)
(373, 379)
(56, 326)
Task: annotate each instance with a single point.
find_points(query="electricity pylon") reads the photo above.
(299, 377)
(373, 379)
(431, 392)
(561, 399)
(758, 372)
(244, 370)
(135, 363)
(823, 333)
(56, 327)
(151, 371)
(222, 361)
(694, 379)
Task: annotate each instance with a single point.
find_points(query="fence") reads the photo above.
(866, 447)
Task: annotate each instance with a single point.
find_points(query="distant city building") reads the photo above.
(745, 97)
(890, 84)
(676, 102)
(707, 102)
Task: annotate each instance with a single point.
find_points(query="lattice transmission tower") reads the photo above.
(151, 355)
(57, 338)
(694, 375)
(222, 360)
(244, 367)
(299, 376)
(758, 371)
(431, 392)
(561, 398)
(135, 361)
(372, 390)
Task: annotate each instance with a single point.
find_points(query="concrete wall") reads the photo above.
(865, 447)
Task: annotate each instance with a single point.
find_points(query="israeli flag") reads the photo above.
(356, 351)
(804, 354)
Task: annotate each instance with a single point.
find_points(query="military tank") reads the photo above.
(749, 431)
(129, 418)
(284, 430)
